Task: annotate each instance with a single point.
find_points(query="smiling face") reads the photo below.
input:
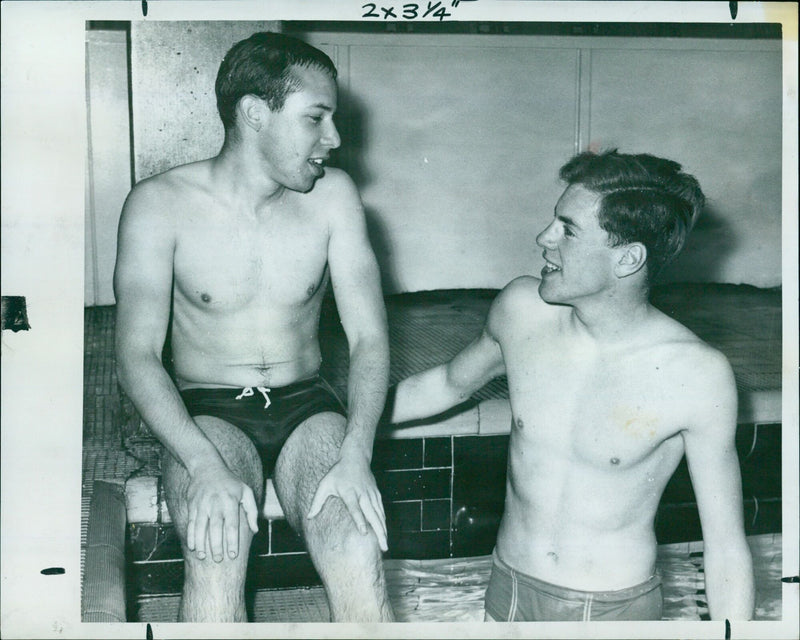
(579, 262)
(297, 140)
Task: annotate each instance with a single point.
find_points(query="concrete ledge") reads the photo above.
(760, 406)
(495, 417)
(466, 422)
(145, 504)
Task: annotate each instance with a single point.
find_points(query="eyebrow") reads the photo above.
(321, 105)
(568, 220)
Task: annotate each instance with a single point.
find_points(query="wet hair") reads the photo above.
(261, 65)
(644, 199)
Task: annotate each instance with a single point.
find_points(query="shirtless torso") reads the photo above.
(596, 435)
(607, 394)
(247, 290)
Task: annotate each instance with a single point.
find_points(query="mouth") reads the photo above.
(549, 267)
(318, 164)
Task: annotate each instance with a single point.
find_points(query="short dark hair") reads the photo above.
(261, 65)
(644, 199)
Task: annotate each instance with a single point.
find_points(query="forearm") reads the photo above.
(425, 394)
(159, 404)
(730, 586)
(366, 393)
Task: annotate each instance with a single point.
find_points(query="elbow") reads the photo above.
(458, 388)
(375, 345)
(130, 362)
(124, 376)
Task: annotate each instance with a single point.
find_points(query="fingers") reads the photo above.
(215, 534)
(214, 523)
(190, 537)
(353, 506)
(320, 496)
(250, 507)
(365, 508)
(231, 531)
(375, 519)
(200, 529)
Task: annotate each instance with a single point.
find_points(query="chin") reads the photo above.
(303, 186)
(544, 292)
(549, 296)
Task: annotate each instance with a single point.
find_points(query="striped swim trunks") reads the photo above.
(515, 596)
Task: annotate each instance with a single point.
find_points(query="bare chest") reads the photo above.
(235, 266)
(595, 411)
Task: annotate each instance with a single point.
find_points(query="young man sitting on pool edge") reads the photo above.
(607, 394)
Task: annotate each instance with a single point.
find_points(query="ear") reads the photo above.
(252, 112)
(632, 258)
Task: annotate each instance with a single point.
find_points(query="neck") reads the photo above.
(614, 318)
(243, 178)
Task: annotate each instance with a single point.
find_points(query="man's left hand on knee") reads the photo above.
(351, 480)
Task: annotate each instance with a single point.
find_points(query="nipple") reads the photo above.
(205, 297)
(614, 461)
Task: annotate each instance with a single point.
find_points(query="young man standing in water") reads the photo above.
(607, 394)
(238, 250)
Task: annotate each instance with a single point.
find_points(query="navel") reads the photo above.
(614, 461)
(553, 556)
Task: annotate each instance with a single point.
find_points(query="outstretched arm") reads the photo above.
(716, 479)
(433, 391)
(356, 285)
(142, 285)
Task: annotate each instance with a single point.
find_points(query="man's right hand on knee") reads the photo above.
(214, 496)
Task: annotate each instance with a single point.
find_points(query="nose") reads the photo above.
(546, 239)
(331, 137)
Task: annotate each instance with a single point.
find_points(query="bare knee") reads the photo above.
(333, 529)
(307, 456)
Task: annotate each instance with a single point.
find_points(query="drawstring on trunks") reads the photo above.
(248, 391)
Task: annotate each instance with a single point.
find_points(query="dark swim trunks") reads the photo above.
(266, 416)
(513, 595)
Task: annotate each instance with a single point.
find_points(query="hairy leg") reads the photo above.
(214, 591)
(348, 562)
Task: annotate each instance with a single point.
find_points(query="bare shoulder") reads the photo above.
(701, 377)
(706, 367)
(336, 195)
(335, 181)
(521, 296)
(155, 198)
(519, 301)
(688, 355)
